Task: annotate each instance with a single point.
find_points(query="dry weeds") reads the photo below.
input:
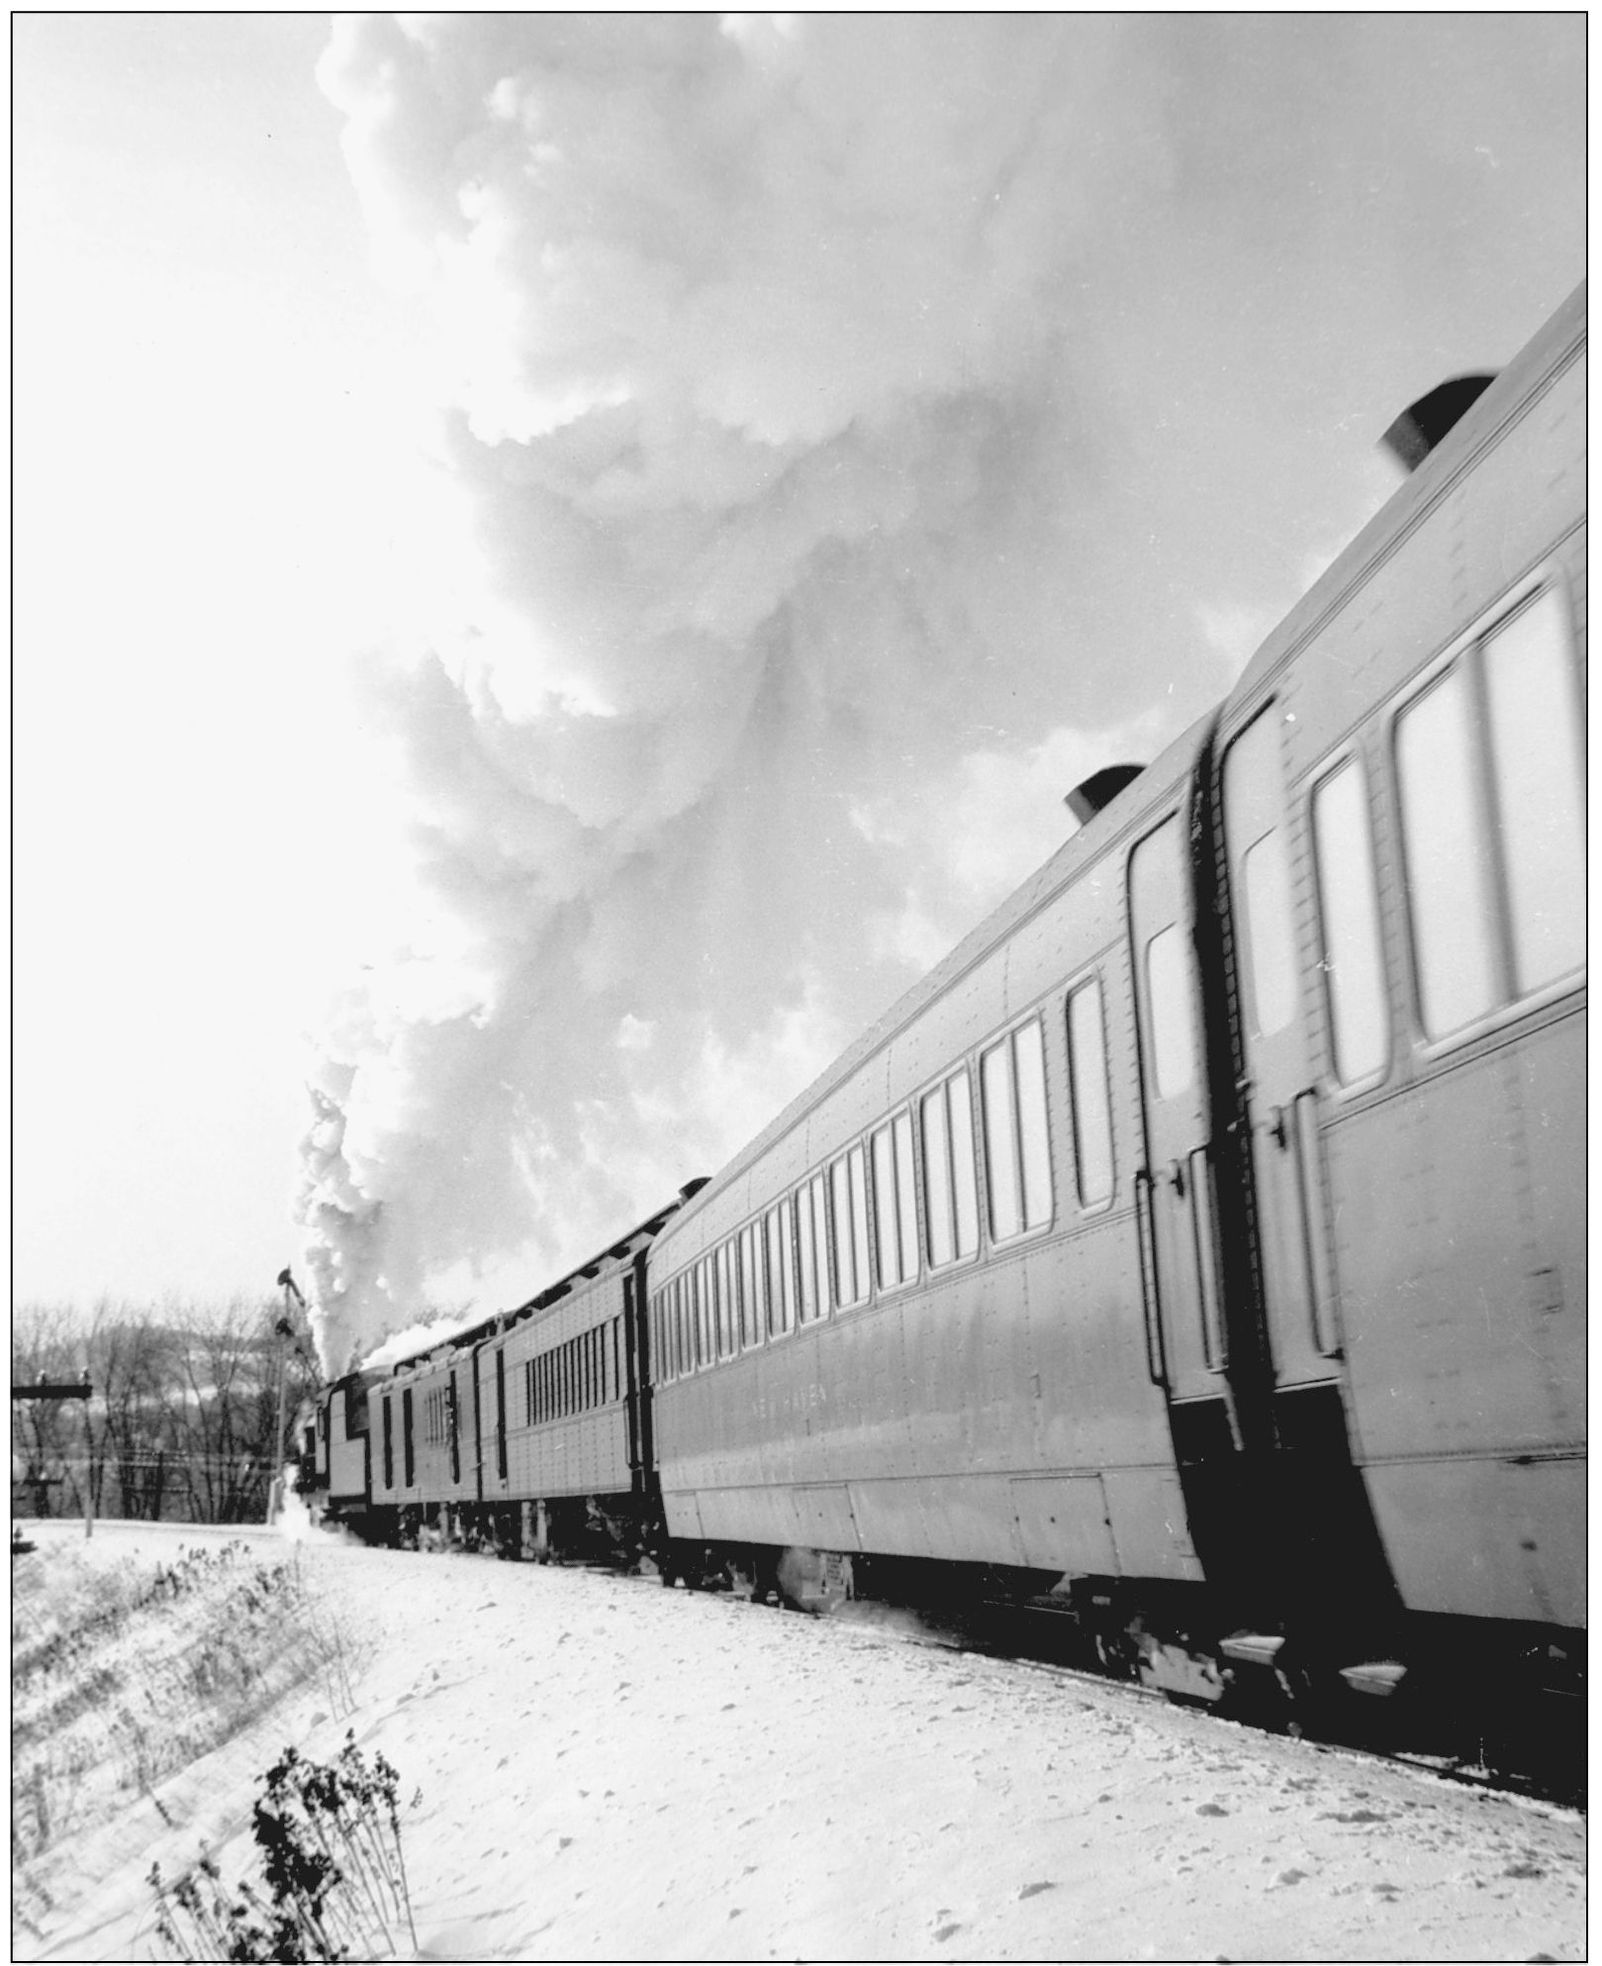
(123, 1674)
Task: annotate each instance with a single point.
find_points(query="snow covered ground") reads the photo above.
(611, 1771)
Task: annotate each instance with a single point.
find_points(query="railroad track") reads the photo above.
(1547, 1774)
(1038, 1640)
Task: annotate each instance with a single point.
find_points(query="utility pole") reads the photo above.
(59, 1389)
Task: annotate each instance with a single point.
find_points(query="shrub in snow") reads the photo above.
(333, 1873)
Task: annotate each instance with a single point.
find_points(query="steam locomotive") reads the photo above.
(1199, 1249)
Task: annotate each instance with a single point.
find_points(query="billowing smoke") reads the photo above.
(805, 378)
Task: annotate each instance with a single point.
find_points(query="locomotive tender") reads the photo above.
(1200, 1246)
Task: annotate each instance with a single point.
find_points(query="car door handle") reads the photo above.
(1146, 1238)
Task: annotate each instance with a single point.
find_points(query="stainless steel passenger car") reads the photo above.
(907, 1320)
(1403, 828)
(1212, 1216)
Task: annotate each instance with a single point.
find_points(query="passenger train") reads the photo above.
(1199, 1249)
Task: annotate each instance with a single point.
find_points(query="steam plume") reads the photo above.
(787, 368)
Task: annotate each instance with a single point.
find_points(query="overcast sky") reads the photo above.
(843, 434)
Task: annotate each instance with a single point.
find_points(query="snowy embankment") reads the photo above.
(613, 1771)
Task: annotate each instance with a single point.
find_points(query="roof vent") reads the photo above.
(1423, 424)
(1100, 789)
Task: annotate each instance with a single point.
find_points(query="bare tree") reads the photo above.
(183, 1417)
(133, 1363)
(233, 1358)
(219, 1353)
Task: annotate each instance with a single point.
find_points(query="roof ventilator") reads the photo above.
(1100, 789)
(1423, 424)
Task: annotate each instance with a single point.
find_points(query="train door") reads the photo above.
(638, 1368)
(500, 1414)
(1332, 1565)
(1282, 1100)
(1174, 1190)
(481, 1411)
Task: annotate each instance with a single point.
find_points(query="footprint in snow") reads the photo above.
(1034, 1890)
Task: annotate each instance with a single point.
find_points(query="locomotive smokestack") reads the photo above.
(1423, 424)
(1099, 789)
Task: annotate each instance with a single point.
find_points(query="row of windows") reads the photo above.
(857, 1225)
(1490, 796)
(1489, 793)
(575, 1377)
(1493, 825)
